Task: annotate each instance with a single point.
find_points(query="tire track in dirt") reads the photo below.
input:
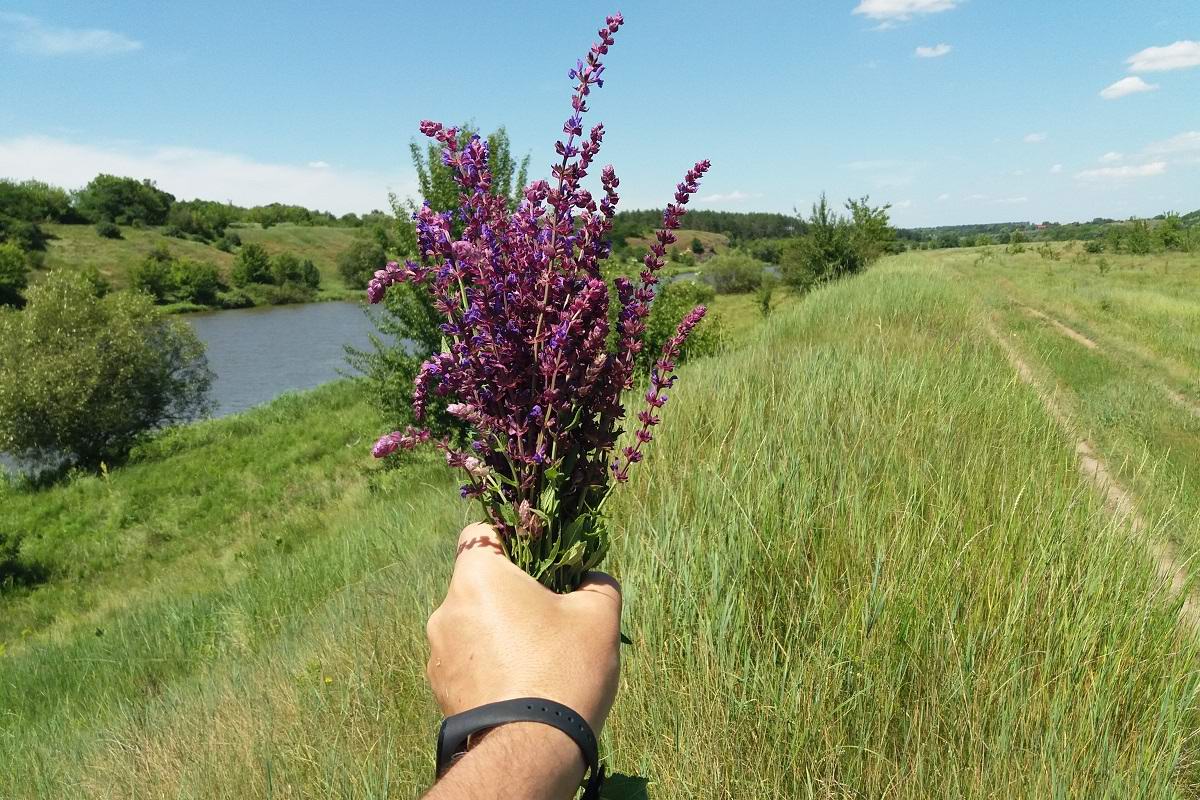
(1175, 397)
(1118, 500)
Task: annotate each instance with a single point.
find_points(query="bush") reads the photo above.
(1137, 239)
(1094, 246)
(733, 273)
(108, 230)
(287, 268)
(108, 198)
(153, 276)
(35, 201)
(253, 265)
(358, 262)
(674, 300)
(288, 293)
(235, 298)
(174, 232)
(824, 253)
(766, 289)
(25, 235)
(697, 246)
(1047, 252)
(14, 275)
(228, 242)
(84, 378)
(195, 282)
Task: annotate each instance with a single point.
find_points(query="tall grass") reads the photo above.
(860, 562)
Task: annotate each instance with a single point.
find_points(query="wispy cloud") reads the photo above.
(936, 51)
(319, 164)
(1057, 168)
(902, 9)
(1111, 157)
(943, 197)
(1035, 138)
(736, 196)
(189, 172)
(889, 173)
(1187, 142)
(1180, 55)
(1121, 173)
(27, 34)
(1127, 86)
(1012, 201)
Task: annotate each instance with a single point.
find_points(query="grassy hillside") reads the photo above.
(712, 242)
(860, 561)
(79, 246)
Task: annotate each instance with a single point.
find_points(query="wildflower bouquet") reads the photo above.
(527, 360)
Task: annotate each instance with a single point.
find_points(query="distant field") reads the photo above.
(79, 246)
(712, 242)
(860, 561)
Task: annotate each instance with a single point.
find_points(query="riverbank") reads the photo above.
(881, 561)
(80, 248)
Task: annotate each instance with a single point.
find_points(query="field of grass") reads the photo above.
(79, 246)
(859, 561)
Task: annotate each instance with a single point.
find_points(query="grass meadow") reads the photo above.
(80, 247)
(860, 561)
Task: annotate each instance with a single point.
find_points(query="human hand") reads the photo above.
(500, 634)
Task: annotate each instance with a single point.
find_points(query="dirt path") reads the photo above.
(1117, 499)
(1147, 362)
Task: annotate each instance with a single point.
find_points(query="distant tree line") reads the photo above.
(1164, 232)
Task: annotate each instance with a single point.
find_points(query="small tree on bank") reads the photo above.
(85, 377)
(14, 275)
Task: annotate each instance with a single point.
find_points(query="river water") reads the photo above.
(258, 354)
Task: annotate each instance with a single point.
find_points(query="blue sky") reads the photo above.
(954, 111)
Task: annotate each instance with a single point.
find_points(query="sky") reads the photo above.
(952, 111)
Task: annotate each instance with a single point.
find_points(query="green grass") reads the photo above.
(859, 562)
(79, 247)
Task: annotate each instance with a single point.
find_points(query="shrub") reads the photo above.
(153, 276)
(673, 301)
(108, 230)
(83, 378)
(1094, 246)
(1047, 252)
(174, 232)
(766, 289)
(108, 198)
(358, 262)
(253, 265)
(825, 252)
(870, 231)
(1137, 239)
(235, 298)
(25, 235)
(288, 293)
(35, 201)
(733, 273)
(697, 246)
(195, 282)
(14, 275)
(1016, 242)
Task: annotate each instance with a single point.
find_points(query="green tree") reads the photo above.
(84, 378)
(154, 275)
(824, 252)
(35, 201)
(14, 275)
(1170, 232)
(1113, 238)
(673, 301)
(196, 281)
(252, 265)
(1016, 241)
(697, 246)
(125, 201)
(1138, 240)
(358, 262)
(733, 273)
(871, 232)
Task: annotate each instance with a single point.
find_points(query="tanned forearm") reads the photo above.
(524, 760)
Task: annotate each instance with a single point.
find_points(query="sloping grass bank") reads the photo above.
(859, 562)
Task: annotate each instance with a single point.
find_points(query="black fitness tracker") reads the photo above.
(452, 738)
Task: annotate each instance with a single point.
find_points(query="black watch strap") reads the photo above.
(452, 738)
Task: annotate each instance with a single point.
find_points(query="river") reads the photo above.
(258, 354)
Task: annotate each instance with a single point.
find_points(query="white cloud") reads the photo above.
(936, 51)
(1180, 55)
(977, 197)
(1128, 171)
(1009, 201)
(902, 204)
(1057, 168)
(189, 172)
(319, 164)
(943, 197)
(1186, 142)
(27, 34)
(736, 196)
(902, 9)
(1111, 157)
(1127, 86)
(1034, 138)
(1018, 172)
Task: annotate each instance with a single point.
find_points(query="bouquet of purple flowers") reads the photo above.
(528, 362)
